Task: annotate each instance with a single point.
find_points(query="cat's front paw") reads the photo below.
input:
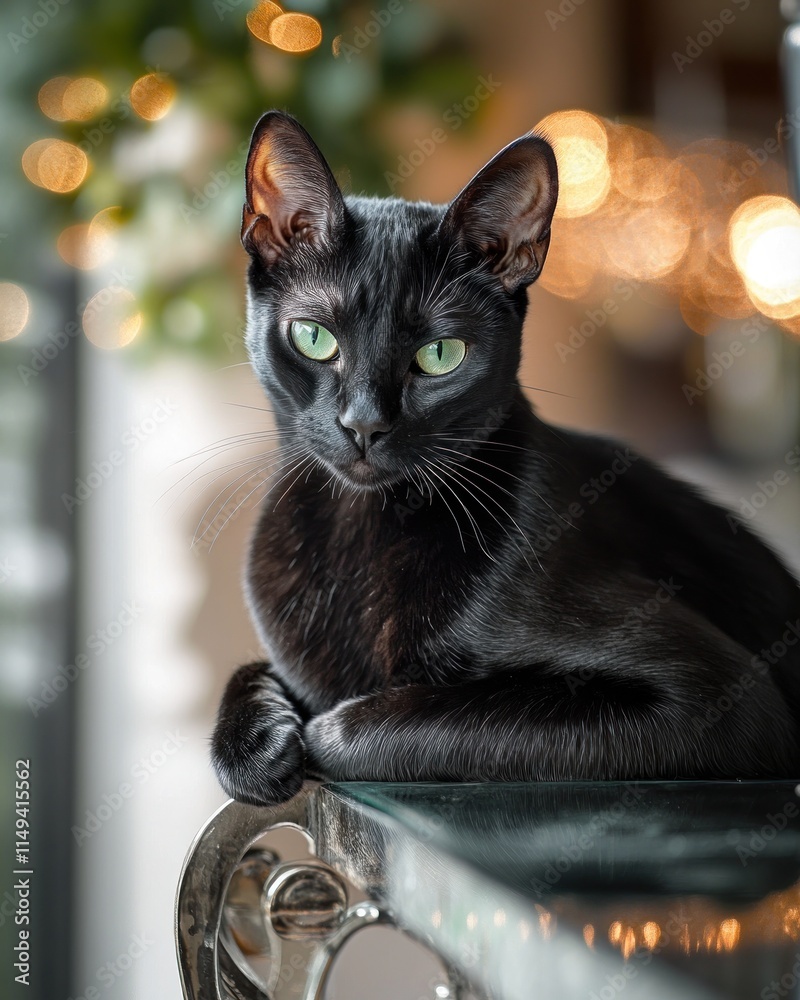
(257, 749)
(327, 743)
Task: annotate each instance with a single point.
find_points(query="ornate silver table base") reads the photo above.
(235, 901)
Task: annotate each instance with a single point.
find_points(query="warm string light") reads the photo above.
(55, 165)
(152, 96)
(66, 99)
(764, 238)
(288, 32)
(111, 318)
(700, 224)
(88, 245)
(14, 310)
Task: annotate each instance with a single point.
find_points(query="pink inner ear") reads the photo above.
(263, 171)
(291, 193)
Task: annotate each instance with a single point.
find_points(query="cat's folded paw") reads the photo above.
(257, 748)
(327, 740)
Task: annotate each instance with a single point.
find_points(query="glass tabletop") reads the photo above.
(687, 889)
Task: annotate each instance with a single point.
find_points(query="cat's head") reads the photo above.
(376, 324)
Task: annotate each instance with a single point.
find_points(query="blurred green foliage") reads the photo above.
(179, 180)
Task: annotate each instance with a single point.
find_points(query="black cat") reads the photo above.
(447, 587)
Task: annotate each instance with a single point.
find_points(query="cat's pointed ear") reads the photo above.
(506, 209)
(292, 196)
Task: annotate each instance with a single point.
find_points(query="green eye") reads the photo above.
(441, 357)
(312, 340)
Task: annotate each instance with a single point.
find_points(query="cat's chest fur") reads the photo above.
(348, 598)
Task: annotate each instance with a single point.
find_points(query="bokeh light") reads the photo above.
(699, 223)
(295, 32)
(651, 934)
(66, 99)
(729, 933)
(765, 246)
(88, 245)
(581, 147)
(84, 98)
(152, 96)
(14, 310)
(55, 165)
(261, 17)
(51, 97)
(111, 318)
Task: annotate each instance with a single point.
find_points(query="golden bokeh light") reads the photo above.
(615, 932)
(696, 315)
(261, 17)
(295, 32)
(729, 933)
(580, 143)
(628, 946)
(571, 262)
(51, 97)
(765, 247)
(55, 165)
(83, 99)
(66, 99)
(651, 934)
(152, 96)
(648, 241)
(645, 178)
(791, 325)
(14, 310)
(111, 318)
(588, 935)
(88, 245)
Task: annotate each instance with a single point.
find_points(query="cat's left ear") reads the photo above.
(292, 195)
(506, 209)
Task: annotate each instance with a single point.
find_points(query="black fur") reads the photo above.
(480, 596)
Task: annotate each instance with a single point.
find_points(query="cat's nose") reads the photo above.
(364, 427)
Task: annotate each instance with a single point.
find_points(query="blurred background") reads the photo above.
(668, 314)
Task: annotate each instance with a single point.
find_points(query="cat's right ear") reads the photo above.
(504, 213)
(292, 195)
